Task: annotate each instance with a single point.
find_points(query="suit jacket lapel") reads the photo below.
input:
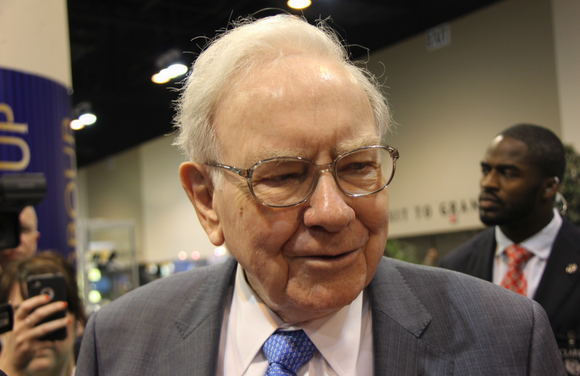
(200, 323)
(565, 251)
(399, 320)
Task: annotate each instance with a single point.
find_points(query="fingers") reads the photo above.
(23, 341)
(31, 312)
(36, 308)
(43, 312)
(43, 329)
(29, 305)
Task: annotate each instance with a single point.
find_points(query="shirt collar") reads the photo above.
(540, 244)
(336, 337)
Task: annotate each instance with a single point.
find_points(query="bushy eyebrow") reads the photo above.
(342, 147)
(349, 145)
(265, 153)
(500, 166)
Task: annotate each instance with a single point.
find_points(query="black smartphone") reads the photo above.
(53, 285)
(6, 317)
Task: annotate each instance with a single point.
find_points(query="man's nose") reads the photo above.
(489, 181)
(327, 207)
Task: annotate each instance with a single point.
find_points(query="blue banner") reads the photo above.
(35, 136)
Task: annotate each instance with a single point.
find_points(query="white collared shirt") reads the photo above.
(540, 245)
(343, 340)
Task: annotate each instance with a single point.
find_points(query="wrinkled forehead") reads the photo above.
(290, 105)
(288, 69)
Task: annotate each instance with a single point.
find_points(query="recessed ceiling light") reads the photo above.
(299, 4)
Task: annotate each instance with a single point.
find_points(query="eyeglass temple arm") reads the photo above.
(239, 171)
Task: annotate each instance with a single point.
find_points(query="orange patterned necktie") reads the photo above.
(514, 279)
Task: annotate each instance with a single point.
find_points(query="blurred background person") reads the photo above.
(528, 248)
(29, 236)
(22, 351)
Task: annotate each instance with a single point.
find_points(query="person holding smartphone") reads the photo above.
(24, 349)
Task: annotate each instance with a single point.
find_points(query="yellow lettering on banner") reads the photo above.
(12, 165)
(70, 199)
(67, 134)
(10, 126)
(71, 234)
(70, 173)
(70, 170)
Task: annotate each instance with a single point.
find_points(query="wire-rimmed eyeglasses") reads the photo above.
(288, 181)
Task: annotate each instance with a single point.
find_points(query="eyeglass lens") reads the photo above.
(287, 181)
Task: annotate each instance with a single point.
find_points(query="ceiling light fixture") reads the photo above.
(173, 71)
(299, 4)
(88, 118)
(76, 124)
(84, 116)
(169, 67)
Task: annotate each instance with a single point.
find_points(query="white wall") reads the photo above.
(499, 70)
(142, 185)
(113, 189)
(21, 22)
(169, 220)
(566, 14)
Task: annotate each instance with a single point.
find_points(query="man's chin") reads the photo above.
(491, 218)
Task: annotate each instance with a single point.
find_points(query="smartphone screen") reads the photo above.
(53, 285)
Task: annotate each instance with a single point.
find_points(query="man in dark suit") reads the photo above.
(521, 172)
(289, 168)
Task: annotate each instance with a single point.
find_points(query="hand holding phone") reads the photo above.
(54, 286)
(32, 323)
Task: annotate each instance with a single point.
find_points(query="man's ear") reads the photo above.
(199, 188)
(551, 186)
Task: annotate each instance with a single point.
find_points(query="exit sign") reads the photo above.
(438, 37)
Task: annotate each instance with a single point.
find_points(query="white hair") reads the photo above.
(239, 51)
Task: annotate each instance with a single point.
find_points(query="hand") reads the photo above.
(22, 342)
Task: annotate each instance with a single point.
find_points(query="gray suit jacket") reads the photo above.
(426, 321)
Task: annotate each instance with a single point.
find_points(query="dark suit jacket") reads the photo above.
(558, 292)
(426, 321)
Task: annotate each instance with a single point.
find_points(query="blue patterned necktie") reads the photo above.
(287, 351)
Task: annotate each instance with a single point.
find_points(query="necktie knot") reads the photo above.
(515, 279)
(287, 352)
(518, 255)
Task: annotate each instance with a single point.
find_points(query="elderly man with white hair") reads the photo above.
(289, 167)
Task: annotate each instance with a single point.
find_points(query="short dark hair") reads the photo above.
(544, 147)
(43, 263)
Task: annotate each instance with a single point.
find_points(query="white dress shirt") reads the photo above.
(540, 245)
(343, 340)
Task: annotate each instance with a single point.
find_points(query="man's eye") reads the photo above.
(508, 173)
(282, 178)
(358, 168)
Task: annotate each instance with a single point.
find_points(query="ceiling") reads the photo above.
(115, 45)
